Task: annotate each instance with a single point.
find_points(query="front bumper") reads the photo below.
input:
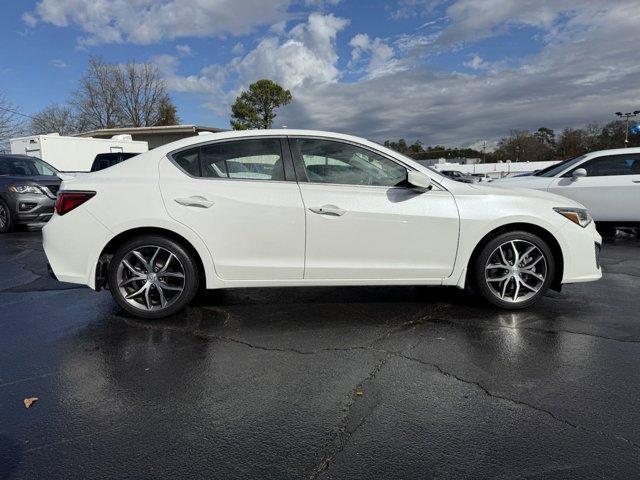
(29, 209)
(581, 250)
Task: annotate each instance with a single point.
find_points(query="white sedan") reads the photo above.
(306, 208)
(607, 182)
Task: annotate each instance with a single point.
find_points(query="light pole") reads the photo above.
(627, 115)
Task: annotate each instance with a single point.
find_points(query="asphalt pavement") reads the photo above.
(330, 383)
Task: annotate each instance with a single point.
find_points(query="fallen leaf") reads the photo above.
(359, 391)
(30, 401)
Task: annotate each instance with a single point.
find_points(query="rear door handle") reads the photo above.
(195, 201)
(635, 181)
(329, 210)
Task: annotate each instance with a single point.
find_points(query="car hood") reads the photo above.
(538, 195)
(523, 182)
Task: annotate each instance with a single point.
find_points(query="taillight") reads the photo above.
(67, 201)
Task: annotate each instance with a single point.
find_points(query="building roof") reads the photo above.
(150, 130)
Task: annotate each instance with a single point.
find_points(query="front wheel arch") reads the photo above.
(544, 234)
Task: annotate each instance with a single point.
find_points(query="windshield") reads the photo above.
(25, 167)
(554, 170)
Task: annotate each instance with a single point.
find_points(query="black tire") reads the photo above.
(6, 219)
(530, 296)
(136, 306)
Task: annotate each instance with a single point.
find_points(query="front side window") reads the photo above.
(254, 159)
(610, 165)
(328, 161)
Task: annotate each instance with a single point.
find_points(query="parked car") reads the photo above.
(106, 160)
(332, 209)
(607, 182)
(28, 188)
(459, 176)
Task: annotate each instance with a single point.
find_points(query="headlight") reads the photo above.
(25, 189)
(579, 216)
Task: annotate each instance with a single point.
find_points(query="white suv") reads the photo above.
(302, 208)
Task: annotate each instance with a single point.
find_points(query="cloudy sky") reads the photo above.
(455, 72)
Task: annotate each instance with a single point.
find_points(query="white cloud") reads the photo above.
(238, 49)
(381, 57)
(586, 69)
(184, 50)
(147, 21)
(57, 63)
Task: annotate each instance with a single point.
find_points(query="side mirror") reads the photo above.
(578, 173)
(419, 180)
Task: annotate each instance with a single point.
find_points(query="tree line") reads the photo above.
(526, 146)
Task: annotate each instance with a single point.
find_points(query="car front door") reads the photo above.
(611, 189)
(241, 197)
(365, 222)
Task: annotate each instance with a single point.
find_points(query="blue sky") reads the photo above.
(456, 72)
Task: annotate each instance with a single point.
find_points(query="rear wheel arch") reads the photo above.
(112, 246)
(541, 232)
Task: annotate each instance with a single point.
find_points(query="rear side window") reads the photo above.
(611, 165)
(189, 160)
(252, 159)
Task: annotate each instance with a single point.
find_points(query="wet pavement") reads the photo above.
(403, 382)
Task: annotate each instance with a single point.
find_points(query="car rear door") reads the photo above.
(611, 189)
(241, 197)
(363, 220)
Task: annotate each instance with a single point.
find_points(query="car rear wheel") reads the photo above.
(6, 222)
(152, 277)
(514, 270)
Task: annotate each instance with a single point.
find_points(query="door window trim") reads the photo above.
(301, 171)
(285, 155)
(567, 173)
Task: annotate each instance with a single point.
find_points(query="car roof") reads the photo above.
(15, 156)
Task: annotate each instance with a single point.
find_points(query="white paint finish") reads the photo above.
(384, 233)
(608, 198)
(255, 229)
(614, 198)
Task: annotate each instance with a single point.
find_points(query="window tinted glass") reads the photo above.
(188, 160)
(627, 164)
(254, 159)
(25, 167)
(554, 170)
(328, 161)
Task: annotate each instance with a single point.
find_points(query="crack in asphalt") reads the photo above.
(521, 403)
(345, 430)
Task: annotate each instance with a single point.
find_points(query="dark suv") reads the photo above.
(28, 188)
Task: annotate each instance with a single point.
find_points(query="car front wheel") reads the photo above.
(152, 277)
(514, 270)
(6, 222)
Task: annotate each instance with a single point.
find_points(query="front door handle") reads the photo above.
(195, 201)
(635, 181)
(329, 210)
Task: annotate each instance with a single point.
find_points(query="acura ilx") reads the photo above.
(306, 208)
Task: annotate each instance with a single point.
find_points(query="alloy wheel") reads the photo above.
(150, 278)
(516, 271)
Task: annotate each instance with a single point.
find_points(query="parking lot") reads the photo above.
(380, 382)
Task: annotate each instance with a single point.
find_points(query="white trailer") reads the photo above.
(73, 154)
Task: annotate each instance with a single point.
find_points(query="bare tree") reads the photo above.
(10, 122)
(141, 94)
(130, 95)
(55, 119)
(97, 96)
